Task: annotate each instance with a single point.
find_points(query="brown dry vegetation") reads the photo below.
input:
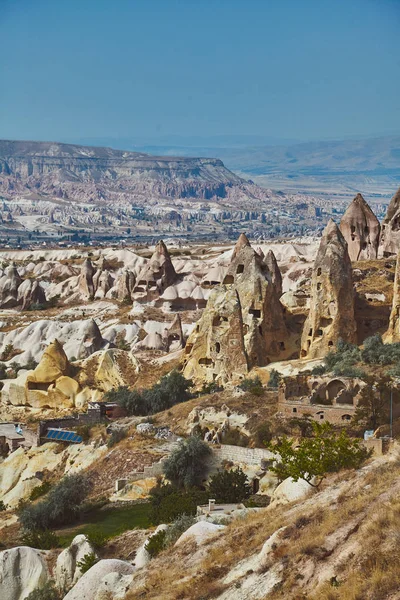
(346, 535)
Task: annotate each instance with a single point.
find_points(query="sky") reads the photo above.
(286, 69)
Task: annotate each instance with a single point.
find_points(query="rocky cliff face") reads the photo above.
(71, 171)
(390, 238)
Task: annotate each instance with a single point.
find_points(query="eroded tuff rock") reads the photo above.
(156, 275)
(174, 338)
(85, 281)
(276, 276)
(393, 333)
(30, 292)
(9, 284)
(360, 229)
(390, 235)
(243, 323)
(22, 570)
(92, 340)
(331, 315)
(124, 286)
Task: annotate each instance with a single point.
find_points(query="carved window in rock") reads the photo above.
(366, 229)
(295, 410)
(319, 285)
(320, 332)
(228, 279)
(320, 414)
(260, 331)
(319, 271)
(206, 361)
(218, 320)
(217, 347)
(282, 346)
(239, 269)
(352, 228)
(255, 312)
(346, 417)
(188, 348)
(310, 332)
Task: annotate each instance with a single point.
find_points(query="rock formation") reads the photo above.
(92, 340)
(156, 275)
(174, 335)
(9, 284)
(124, 286)
(276, 276)
(85, 281)
(67, 570)
(360, 229)
(22, 570)
(393, 333)
(390, 236)
(30, 293)
(242, 325)
(331, 315)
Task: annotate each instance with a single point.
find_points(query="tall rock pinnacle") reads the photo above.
(331, 315)
(390, 236)
(360, 229)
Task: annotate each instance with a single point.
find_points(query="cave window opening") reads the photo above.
(217, 347)
(240, 269)
(318, 286)
(320, 332)
(255, 312)
(319, 271)
(310, 332)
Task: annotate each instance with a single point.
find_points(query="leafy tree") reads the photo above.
(116, 436)
(179, 526)
(47, 592)
(40, 490)
(313, 458)
(374, 404)
(252, 385)
(342, 361)
(61, 506)
(229, 486)
(168, 503)
(42, 539)
(187, 465)
(2, 506)
(263, 434)
(377, 353)
(274, 379)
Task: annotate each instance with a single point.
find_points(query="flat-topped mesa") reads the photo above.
(390, 235)
(331, 315)
(215, 349)
(262, 313)
(392, 334)
(158, 274)
(276, 275)
(360, 229)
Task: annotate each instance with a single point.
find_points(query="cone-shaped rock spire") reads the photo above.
(360, 229)
(276, 276)
(390, 236)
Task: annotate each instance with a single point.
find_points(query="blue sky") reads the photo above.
(297, 69)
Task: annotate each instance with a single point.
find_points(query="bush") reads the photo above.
(84, 432)
(61, 506)
(187, 465)
(229, 486)
(116, 436)
(3, 371)
(170, 390)
(254, 386)
(40, 490)
(378, 353)
(44, 540)
(156, 543)
(274, 379)
(47, 592)
(168, 503)
(210, 388)
(263, 435)
(313, 458)
(2, 506)
(319, 370)
(177, 528)
(96, 538)
(235, 438)
(87, 562)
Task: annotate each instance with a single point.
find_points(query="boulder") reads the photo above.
(92, 340)
(200, 532)
(142, 557)
(22, 570)
(331, 316)
(30, 292)
(92, 585)
(291, 491)
(54, 364)
(360, 229)
(67, 570)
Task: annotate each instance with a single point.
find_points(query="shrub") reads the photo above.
(61, 506)
(254, 386)
(318, 370)
(40, 490)
(171, 389)
(177, 528)
(116, 436)
(168, 503)
(47, 592)
(235, 438)
(87, 562)
(313, 458)
(42, 539)
(229, 486)
(187, 465)
(376, 352)
(8, 352)
(2, 506)
(263, 435)
(156, 543)
(3, 371)
(274, 379)
(373, 407)
(96, 538)
(84, 432)
(210, 388)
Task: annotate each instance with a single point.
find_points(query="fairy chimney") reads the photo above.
(360, 229)
(390, 235)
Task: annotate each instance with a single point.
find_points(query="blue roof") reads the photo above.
(63, 436)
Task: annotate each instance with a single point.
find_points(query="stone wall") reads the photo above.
(238, 454)
(338, 415)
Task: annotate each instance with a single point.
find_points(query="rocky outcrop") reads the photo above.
(174, 337)
(92, 340)
(67, 569)
(360, 229)
(393, 333)
(390, 236)
(331, 315)
(108, 575)
(22, 570)
(157, 275)
(124, 286)
(242, 325)
(31, 293)
(9, 284)
(85, 282)
(276, 275)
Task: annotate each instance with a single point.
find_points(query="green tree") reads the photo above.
(47, 592)
(229, 486)
(87, 562)
(313, 458)
(274, 379)
(374, 404)
(187, 465)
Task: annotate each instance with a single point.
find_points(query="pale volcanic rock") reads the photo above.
(54, 364)
(393, 333)
(215, 350)
(67, 570)
(92, 340)
(390, 235)
(30, 292)
(85, 281)
(360, 229)
(174, 335)
(124, 286)
(22, 570)
(108, 369)
(331, 315)
(9, 284)
(157, 274)
(95, 583)
(276, 276)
